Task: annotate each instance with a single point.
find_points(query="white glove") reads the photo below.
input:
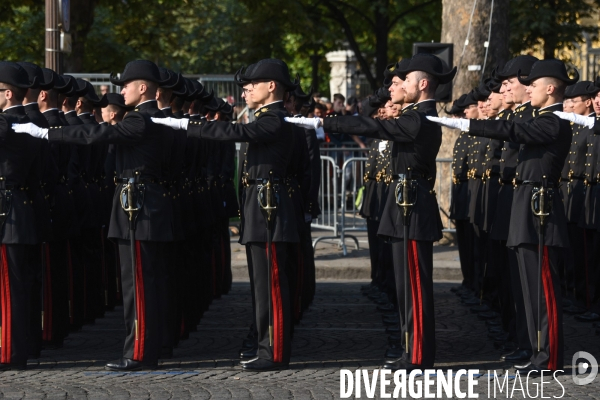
(382, 146)
(320, 133)
(454, 123)
(174, 123)
(578, 119)
(31, 129)
(306, 123)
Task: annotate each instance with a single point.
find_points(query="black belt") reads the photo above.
(404, 176)
(139, 180)
(519, 182)
(505, 181)
(261, 181)
(13, 187)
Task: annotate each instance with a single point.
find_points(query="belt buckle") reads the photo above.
(455, 179)
(514, 182)
(245, 181)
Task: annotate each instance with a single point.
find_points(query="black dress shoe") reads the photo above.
(13, 367)
(573, 309)
(400, 364)
(392, 329)
(487, 315)
(249, 353)
(588, 317)
(127, 364)
(247, 360)
(527, 369)
(385, 307)
(394, 352)
(517, 356)
(166, 353)
(481, 308)
(472, 302)
(261, 364)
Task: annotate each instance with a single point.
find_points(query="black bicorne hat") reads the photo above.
(579, 89)
(482, 92)
(138, 70)
(213, 104)
(225, 108)
(457, 107)
(430, 64)
(205, 96)
(70, 86)
(394, 70)
(512, 67)
(193, 88)
(269, 69)
(552, 68)
(36, 76)
(115, 99)
(594, 87)
(383, 95)
(370, 105)
(13, 74)
(493, 84)
(470, 99)
(299, 93)
(87, 91)
(52, 80)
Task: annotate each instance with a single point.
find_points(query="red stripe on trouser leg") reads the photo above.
(277, 308)
(140, 306)
(417, 302)
(47, 328)
(5, 351)
(71, 289)
(551, 310)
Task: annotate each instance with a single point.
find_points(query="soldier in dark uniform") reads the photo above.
(140, 155)
(545, 143)
(38, 186)
(270, 142)
(416, 143)
(572, 190)
(459, 210)
(19, 251)
(56, 278)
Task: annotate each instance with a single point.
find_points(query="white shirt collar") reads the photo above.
(551, 105)
(277, 101)
(144, 102)
(33, 102)
(18, 105)
(50, 109)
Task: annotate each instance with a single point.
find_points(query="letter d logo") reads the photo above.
(582, 367)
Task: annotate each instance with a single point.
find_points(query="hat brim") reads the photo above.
(528, 79)
(441, 77)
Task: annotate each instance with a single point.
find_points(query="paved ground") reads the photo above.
(342, 329)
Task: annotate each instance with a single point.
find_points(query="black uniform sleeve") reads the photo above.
(314, 156)
(403, 129)
(130, 130)
(264, 130)
(540, 130)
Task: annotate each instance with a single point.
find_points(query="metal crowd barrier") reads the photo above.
(342, 171)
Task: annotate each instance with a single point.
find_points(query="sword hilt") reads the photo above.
(265, 191)
(270, 335)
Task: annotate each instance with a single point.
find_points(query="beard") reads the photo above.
(411, 97)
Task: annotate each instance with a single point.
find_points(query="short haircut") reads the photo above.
(559, 86)
(119, 111)
(86, 105)
(52, 96)
(72, 101)
(177, 102)
(321, 107)
(152, 86)
(340, 97)
(280, 89)
(18, 93)
(167, 93)
(432, 80)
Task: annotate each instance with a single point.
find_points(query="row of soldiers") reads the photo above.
(125, 210)
(523, 189)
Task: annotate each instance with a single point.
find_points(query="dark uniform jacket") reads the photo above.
(508, 166)
(61, 200)
(139, 148)
(475, 185)
(230, 198)
(314, 156)
(459, 204)
(369, 180)
(545, 142)
(572, 187)
(18, 153)
(269, 150)
(590, 215)
(416, 142)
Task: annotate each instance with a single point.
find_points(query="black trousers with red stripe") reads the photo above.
(552, 343)
(145, 344)
(420, 322)
(466, 244)
(56, 293)
(17, 275)
(282, 317)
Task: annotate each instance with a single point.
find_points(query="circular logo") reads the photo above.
(589, 366)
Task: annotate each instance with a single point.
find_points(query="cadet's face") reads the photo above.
(518, 90)
(389, 110)
(472, 112)
(106, 115)
(506, 93)
(482, 108)
(581, 106)
(538, 91)
(411, 87)
(397, 91)
(568, 105)
(131, 92)
(338, 105)
(246, 96)
(494, 103)
(596, 103)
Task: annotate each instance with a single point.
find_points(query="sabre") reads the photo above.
(132, 205)
(406, 197)
(541, 209)
(268, 204)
